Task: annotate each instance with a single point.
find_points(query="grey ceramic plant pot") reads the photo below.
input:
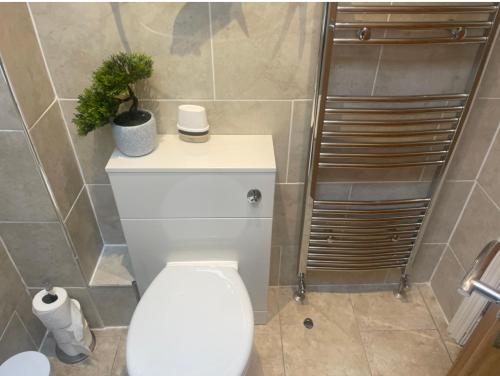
(136, 140)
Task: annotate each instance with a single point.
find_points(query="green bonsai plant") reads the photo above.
(113, 84)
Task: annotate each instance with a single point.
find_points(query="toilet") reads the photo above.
(28, 363)
(197, 218)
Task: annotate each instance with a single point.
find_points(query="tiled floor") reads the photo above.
(353, 334)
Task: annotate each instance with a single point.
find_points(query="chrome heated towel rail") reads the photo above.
(379, 133)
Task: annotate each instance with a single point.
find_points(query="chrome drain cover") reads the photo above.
(308, 323)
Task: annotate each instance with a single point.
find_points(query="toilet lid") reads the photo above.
(28, 363)
(192, 320)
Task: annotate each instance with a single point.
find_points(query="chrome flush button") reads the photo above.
(254, 196)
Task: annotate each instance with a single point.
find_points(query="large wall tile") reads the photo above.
(93, 150)
(388, 191)
(490, 85)
(58, 159)
(23, 195)
(115, 304)
(10, 116)
(34, 326)
(427, 258)
(475, 139)
(300, 135)
(448, 207)
(15, 340)
(479, 224)
(265, 50)
(287, 214)
(107, 213)
(41, 253)
(84, 232)
(274, 269)
(176, 35)
(353, 70)
(237, 117)
(440, 69)
(446, 281)
(289, 265)
(490, 175)
(11, 288)
(23, 61)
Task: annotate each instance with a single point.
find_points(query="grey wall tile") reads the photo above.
(115, 304)
(448, 207)
(11, 288)
(287, 214)
(265, 50)
(427, 258)
(475, 139)
(88, 306)
(58, 159)
(41, 253)
(84, 232)
(490, 175)
(441, 69)
(107, 213)
(353, 70)
(333, 191)
(11, 119)
(480, 223)
(386, 191)
(93, 150)
(181, 51)
(23, 195)
(300, 135)
(490, 85)
(289, 265)
(445, 282)
(274, 270)
(15, 340)
(34, 326)
(23, 61)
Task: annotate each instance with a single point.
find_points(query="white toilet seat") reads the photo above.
(28, 363)
(194, 319)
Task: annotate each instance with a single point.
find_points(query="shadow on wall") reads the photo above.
(187, 39)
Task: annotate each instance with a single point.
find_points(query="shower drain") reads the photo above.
(308, 323)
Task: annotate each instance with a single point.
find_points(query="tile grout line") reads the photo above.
(290, 125)
(278, 306)
(74, 203)
(359, 333)
(212, 48)
(97, 265)
(26, 328)
(2, 242)
(43, 341)
(490, 147)
(94, 210)
(42, 115)
(488, 196)
(435, 324)
(7, 325)
(456, 258)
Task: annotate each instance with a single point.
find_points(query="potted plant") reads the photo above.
(113, 84)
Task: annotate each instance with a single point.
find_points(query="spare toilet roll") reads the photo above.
(64, 318)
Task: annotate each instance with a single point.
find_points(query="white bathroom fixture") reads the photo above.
(28, 363)
(198, 221)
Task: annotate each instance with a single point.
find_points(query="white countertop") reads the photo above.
(223, 153)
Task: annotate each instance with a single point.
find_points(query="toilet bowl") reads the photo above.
(28, 363)
(195, 318)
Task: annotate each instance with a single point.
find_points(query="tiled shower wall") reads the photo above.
(467, 215)
(48, 230)
(251, 65)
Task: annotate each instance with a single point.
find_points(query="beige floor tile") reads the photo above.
(382, 311)
(440, 320)
(120, 363)
(332, 347)
(98, 364)
(406, 352)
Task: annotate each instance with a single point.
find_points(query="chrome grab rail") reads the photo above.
(471, 281)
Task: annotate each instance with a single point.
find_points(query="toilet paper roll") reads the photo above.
(56, 314)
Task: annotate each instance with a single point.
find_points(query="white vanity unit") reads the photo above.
(199, 201)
